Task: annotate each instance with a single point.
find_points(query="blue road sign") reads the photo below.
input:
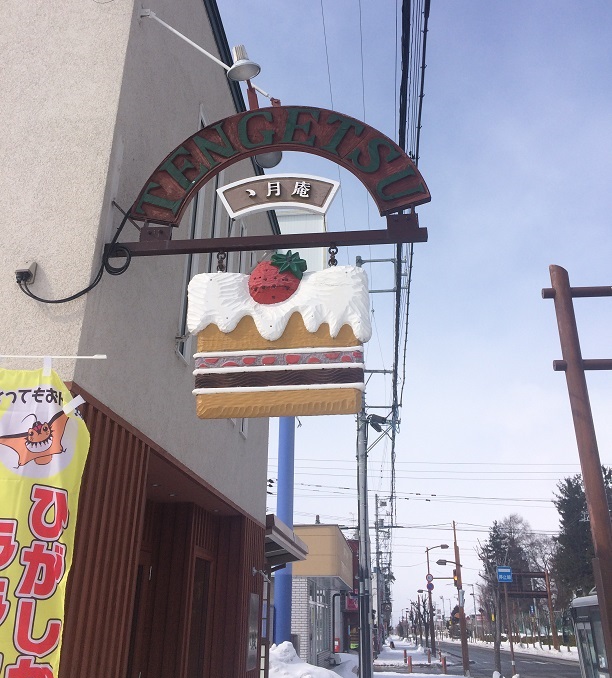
(504, 574)
(430, 586)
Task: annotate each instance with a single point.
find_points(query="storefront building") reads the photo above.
(320, 585)
(169, 558)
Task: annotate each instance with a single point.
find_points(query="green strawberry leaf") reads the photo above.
(289, 262)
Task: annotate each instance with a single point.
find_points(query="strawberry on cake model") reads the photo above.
(280, 342)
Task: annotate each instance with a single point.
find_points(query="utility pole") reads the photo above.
(461, 595)
(365, 617)
(432, 632)
(509, 622)
(590, 463)
(379, 578)
(430, 586)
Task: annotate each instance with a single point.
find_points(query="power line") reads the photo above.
(450, 463)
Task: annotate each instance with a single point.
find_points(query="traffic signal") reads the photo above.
(455, 578)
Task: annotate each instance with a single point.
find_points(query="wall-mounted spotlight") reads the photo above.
(243, 68)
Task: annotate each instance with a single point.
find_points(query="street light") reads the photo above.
(461, 603)
(476, 631)
(429, 588)
(241, 70)
(419, 618)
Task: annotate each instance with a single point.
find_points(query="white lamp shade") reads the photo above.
(243, 68)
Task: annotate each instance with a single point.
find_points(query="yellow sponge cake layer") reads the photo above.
(279, 403)
(246, 335)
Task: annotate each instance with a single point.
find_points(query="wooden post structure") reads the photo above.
(594, 488)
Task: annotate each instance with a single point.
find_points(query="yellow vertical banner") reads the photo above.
(43, 450)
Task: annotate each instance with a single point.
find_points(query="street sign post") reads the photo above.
(429, 577)
(430, 586)
(504, 574)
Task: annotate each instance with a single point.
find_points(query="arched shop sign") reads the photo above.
(389, 175)
(279, 341)
(385, 170)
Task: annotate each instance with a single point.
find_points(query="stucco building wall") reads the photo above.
(94, 99)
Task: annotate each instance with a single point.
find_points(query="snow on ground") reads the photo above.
(349, 668)
(571, 655)
(395, 656)
(284, 662)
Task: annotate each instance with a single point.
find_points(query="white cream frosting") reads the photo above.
(337, 295)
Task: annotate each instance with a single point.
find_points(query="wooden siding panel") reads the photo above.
(206, 531)
(225, 606)
(101, 585)
(128, 527)
(241, 548)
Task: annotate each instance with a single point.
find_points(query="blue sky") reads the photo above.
(516, 149)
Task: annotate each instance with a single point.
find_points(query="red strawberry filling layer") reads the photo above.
(279, 359)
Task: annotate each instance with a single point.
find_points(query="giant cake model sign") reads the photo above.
(280, 342)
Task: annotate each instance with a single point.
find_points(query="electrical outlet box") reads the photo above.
(26, 273)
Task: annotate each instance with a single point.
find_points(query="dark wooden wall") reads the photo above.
(117, 530)
(101, 583)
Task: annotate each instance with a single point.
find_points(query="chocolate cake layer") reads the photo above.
(280, 378)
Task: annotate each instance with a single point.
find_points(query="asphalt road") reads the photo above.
(527, 665)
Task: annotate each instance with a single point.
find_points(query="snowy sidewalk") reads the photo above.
(284, 662)
(394, 657)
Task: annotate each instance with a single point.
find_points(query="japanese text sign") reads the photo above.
(275, 191)
(504, 574)
(43, 449)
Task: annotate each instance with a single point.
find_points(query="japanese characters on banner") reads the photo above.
(43, 449)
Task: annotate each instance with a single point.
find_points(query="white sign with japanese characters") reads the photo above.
(276, 191)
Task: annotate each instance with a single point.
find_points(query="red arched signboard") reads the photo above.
(390, 176)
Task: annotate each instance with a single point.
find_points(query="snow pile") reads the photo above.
(285, 663)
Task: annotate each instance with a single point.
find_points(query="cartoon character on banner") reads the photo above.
(40, 441)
